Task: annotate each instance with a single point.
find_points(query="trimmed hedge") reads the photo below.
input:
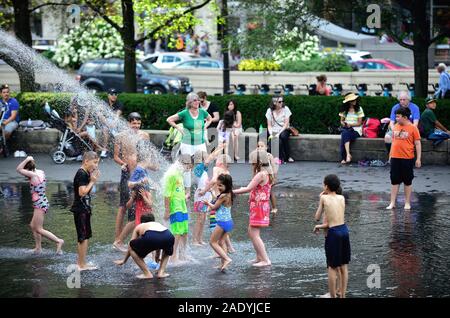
(310, 114)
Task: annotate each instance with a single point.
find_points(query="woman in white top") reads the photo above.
(351, 121)
(237, 127)
(278, 116)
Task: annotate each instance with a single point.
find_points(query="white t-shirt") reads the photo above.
(224, 136)
(201, 182)
(277, 120)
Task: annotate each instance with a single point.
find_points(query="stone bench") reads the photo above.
(306, 147)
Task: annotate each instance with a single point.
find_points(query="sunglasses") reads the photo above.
(280, 101)
(113, 94)
(134, 119)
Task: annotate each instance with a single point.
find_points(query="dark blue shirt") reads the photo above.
(11, 105)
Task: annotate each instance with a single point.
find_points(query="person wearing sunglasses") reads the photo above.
(278, 116)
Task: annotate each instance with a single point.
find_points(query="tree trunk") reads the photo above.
(22, 29)
(225, 51)
(421, 38)
(129, 46)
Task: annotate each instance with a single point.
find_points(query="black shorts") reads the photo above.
(83, 225)
(152, 241)
(402, 171)
(123, 188)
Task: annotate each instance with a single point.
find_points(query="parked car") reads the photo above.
(164, 60)
(357, 55)
(381, 64)
(103, 74)
(200, 63)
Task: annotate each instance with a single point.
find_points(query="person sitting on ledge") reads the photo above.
(432, 128)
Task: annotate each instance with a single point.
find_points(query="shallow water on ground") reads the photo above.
(411, 249)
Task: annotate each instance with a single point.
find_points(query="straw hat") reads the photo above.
(350, 97)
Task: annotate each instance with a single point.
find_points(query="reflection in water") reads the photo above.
(411, 248)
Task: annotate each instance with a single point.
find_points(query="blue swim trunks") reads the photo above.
(227, 226)
(337, 246)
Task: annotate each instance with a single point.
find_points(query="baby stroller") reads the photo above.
(171, 145)
(70, 145)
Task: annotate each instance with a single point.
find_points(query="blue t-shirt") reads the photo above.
(138, 175)
(415, 112)
(11, 105)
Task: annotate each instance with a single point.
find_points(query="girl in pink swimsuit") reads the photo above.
(259, 189)
(37, 180)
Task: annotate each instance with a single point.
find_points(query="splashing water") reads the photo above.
(88, 104)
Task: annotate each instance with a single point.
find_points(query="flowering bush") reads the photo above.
(258, 65)
(295, 46)
(91, 40)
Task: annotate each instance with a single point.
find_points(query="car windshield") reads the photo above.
(150, 67)
(398, 64)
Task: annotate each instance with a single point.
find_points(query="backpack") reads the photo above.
(384, 127)
(371, 127)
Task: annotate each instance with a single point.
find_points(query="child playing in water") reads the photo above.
(224, 129)
(337, 241)
(274, 164)
(222, 206)
(147, 237)
(221, 167)
(37, 181)
(175, 205)
(140, 180)
(200, 208)
(83, 182)
(259, 189)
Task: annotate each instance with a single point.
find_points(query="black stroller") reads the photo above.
(71, 145)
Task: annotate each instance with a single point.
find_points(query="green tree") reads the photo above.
(408, 22)
(157, 18)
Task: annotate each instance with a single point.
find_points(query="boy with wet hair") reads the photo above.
(147, 237)
(175, 205)
(83, 182)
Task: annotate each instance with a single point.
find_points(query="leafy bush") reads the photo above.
(310, 114)
(258, 65)
(327, 63)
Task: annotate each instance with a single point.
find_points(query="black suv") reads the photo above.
(103, 74)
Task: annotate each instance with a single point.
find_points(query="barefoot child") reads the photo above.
(337, 241)
(222, 206)
(274, 164)
(259, 189)
(147, 237)
(175, 204)
(83, 182)
(405, 137)
(37, 181)
(221, 167)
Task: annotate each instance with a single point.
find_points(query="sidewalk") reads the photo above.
(298, 174)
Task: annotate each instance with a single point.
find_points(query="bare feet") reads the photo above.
(262, 264)
(88, 267)
(120, 247)
(274, 211)
(349, 159)
(343, 162)
(253, 261)
(162, 275)
(407, 206)
(59, 247)
(225, 264)
(119, 262)
(390, 206)
(36, 250)
(203, 243)
(145, 276)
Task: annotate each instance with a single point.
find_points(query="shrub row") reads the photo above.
(310, 114)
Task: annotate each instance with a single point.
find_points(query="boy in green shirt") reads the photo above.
(175, 204)
(432, 128)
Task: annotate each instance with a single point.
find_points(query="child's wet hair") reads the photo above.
(227, 181)
(30, 165)
(90, 155)
(200, 156)
(333, 183)
(147, 218)
(185, 159)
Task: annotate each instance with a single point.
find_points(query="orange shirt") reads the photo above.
(403, 138)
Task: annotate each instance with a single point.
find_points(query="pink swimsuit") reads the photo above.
(260, 205)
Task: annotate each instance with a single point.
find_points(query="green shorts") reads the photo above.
(179, 223)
